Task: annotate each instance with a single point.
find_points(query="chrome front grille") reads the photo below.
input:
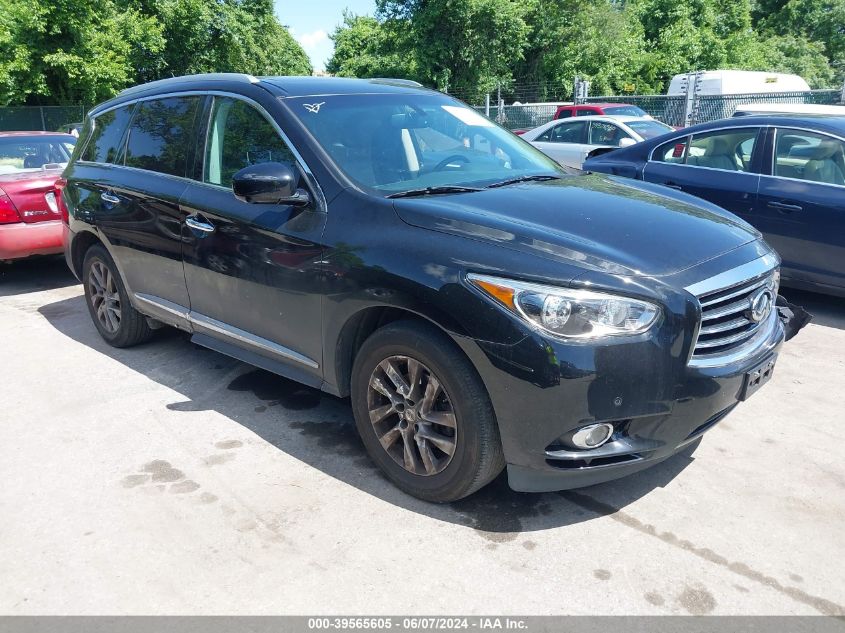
(734, 319)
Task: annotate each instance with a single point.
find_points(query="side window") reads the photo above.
(239, 136)
(573, 132)
(564, 114)
(605, 133)
(161, 135)
(583, 112)
(729, 150)
(104, 144)
(809, 156)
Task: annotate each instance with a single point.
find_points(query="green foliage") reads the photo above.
(84, 51)
(365, 47)
(471, 46)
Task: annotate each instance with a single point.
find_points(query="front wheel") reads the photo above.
(423, 413)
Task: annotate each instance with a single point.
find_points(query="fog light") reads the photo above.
(593, 435)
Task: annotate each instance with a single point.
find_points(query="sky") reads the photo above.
(311, 22)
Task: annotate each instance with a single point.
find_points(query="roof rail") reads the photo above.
(410, 83)
(242, 77)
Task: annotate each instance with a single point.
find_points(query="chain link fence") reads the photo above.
(674, 110)
(39, 118)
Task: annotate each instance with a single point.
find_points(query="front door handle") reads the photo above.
(672, 185)
(199, 225)
(109, 198)
(786, 208)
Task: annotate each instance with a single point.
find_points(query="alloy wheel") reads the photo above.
(412, 415)
(105, 297)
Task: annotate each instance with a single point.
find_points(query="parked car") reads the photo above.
(30, 163)
(783, 174)
(482, 307)
(571, 142)
(593, 109)
(751, 109)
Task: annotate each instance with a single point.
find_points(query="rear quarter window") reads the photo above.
(104, 144)
(672, 152)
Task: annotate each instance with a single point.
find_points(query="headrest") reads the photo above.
(825, 149)
(719, 145)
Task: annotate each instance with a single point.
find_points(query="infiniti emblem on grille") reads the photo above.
(760, 305)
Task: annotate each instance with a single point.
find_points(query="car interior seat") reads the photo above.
(826, 164)
(719, 155)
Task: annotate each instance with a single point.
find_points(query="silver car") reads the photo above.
(571, 141)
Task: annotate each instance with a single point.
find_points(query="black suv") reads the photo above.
(482, 307)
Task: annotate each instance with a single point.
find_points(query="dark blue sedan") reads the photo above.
(783, 174)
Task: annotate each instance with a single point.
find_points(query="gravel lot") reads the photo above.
(168, 479)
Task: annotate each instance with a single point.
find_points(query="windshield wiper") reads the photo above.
(433, 191)
(513, 181)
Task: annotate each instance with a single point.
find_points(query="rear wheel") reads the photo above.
(116, 320)
(423, 413)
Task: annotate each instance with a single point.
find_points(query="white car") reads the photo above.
(571, 141)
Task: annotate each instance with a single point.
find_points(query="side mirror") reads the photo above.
(269, 183)
(627, 142)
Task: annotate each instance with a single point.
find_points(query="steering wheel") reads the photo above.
(443, 164)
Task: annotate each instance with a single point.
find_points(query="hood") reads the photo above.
(613, 225)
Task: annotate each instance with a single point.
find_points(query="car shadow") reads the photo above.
(319, 430)
(826, 310)
(34, 275)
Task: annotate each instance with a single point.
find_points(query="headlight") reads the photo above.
(570, 313)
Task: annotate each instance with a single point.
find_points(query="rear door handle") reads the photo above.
(783, 206)
(672, 185)
(199, 225)
(109, 198)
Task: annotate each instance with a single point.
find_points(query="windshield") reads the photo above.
(30, 153)
(627, 110)
(649, 128)
(403, 142)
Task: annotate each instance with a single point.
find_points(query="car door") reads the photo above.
(565, 142)
(253, 271)
(801, 205)
(136, 196)
(721, 166)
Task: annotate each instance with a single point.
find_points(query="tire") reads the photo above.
(417, 457)
(116, 320)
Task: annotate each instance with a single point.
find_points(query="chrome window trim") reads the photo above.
(775, 152)
(691, 135)
(230, 331)
(312, 180)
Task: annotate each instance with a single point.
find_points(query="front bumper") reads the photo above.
(21, 240)
(657, 403)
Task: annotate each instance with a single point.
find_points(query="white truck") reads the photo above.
(735, 82)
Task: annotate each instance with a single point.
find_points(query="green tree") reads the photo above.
(365, 47)
(451, 44)
(84, 51)
(222, 36)
(821, 23)
(72, 51)
(598, 40)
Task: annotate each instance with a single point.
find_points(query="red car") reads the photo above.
(30, 164)
(608, 109)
